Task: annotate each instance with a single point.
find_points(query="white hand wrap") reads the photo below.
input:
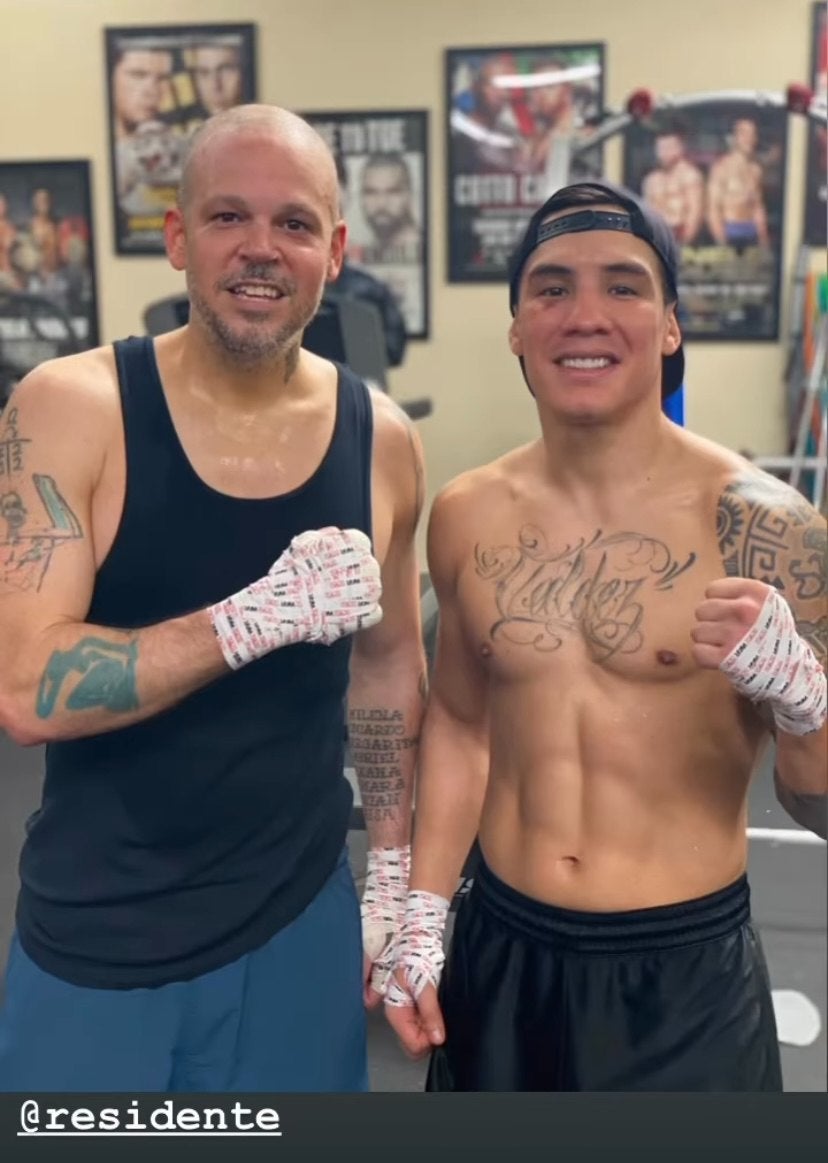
(325, 585)
(773, 663)
(383, 907)
(418, 954)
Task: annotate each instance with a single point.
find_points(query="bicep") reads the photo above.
(46, 477)
(398, 490)
(769, 532)
(459, 683)
(803, 577)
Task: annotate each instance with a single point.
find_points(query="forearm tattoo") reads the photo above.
(596, 586)
(34, 518)
(380, 745)
(107, 680)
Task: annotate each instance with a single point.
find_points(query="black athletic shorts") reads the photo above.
(674, 998)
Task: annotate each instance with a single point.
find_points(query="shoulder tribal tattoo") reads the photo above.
(758, 526)
(769, 532)
(594, 586)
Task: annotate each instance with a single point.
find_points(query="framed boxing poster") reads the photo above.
(716, 171)
(162, 83)
(48, 299)
(815, 232)
(382, 162)
(513, 115)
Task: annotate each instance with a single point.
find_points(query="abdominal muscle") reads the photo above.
(615, 795)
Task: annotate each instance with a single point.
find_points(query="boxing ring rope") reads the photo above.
(785, 836)
(642, 104)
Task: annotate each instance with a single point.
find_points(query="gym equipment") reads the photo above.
(807, 383)
(32, 329)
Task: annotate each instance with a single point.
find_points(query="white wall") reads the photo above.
(327, 54)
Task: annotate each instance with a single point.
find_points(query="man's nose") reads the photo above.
(261, 241)
(587, 310)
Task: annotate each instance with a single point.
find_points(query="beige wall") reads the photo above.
(389, 53)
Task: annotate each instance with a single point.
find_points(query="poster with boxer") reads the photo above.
(716, 171)
(382, 161)
(48, 299)
(513, 115)
(162, 83)
(816, 186)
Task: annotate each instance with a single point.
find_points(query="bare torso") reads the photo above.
(619, 769)
(738, 186)
(676, 194)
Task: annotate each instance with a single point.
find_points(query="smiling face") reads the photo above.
(258, 237)
(592, 325)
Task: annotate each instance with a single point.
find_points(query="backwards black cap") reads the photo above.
(635, 218)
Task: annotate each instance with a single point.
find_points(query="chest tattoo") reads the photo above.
(596, 586)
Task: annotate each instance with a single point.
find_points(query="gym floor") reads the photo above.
(789, 887)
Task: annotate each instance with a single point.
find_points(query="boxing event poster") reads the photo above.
(382, 161)
(162, 83)
(48, 301)
(518, 121)
(816, 194)
(716, 171)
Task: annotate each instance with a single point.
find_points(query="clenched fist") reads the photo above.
(746, 629)
(731, 606)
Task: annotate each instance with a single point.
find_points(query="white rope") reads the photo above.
(784, 836)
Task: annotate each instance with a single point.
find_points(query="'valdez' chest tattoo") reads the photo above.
(595, 586)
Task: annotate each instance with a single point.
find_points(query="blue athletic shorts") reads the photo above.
(287, 1017)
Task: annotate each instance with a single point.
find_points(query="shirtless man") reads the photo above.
(197, 533)
(676, 188)
(8, 233)
(735, 207)
(44, 232)
(595, 695)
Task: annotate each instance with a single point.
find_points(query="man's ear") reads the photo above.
(174, 239)
(339, 239)
(672, 333)
(515, 342)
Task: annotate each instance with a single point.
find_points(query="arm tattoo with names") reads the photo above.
(594, 586)
(378, 742)
(107, 681)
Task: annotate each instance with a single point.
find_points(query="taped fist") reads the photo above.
(746, 629)
(382, 910)
(325, 585)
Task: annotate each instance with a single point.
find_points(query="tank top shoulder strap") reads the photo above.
(146, 418)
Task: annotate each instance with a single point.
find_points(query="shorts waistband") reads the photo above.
(670, 926)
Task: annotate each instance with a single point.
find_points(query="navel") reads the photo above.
(667, 657)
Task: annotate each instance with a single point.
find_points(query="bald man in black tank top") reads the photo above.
(207, 547)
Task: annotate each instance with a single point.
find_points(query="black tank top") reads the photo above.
(171, 847)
